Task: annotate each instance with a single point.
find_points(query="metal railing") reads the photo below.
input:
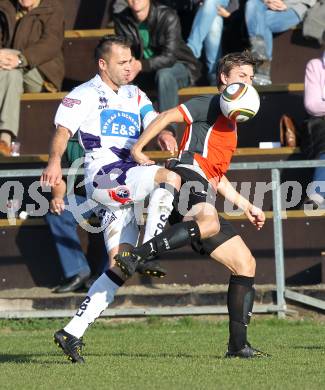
(277, 225)
(274, 167)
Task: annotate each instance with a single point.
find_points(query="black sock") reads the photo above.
(240, 302)
(174, 237)
(114, 278)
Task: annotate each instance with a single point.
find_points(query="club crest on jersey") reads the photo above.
(102, 102)
(121, 194)
(68, 102)
(118, 123)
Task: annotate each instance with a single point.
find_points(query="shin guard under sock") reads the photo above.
(240, 302)
(159, 209)
(100, 295)
(174, 237)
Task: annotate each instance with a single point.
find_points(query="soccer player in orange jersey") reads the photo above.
(208, 143)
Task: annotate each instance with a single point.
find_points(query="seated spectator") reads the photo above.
(186, 10)
(207, 31)
(31, 58)
(314, 142)
(263, 18)
(63, 226)
(161, 54)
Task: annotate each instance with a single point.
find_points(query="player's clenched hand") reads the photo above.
(52, 175)
(167, 141)
(256, 216)
(57, 205)
(139, 157)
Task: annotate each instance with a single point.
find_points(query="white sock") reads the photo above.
(100, 295)
(159, 209)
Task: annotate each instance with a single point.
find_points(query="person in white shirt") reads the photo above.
(108, 115)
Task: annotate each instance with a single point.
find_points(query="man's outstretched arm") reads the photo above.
(52, 174)
(255, 215)
(156, 126)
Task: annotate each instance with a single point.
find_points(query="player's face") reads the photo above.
(242, 74)
(138, 5)
(116, 68)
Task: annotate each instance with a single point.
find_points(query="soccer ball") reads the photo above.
(240, 102)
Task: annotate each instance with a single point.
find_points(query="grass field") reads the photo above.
(159, 354)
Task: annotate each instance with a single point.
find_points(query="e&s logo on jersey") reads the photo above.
(119, 124)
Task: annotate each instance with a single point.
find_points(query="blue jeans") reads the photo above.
(207, 30)
(263, 22)
(168, 81)
(319, 175)
(64, 230)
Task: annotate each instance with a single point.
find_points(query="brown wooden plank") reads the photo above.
(43, 96)
(291, 87)
(289, 214)
(159, 155)
(190, 91)
(88, 33)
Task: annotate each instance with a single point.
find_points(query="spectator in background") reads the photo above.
(263, 18)
(186, 10)
(63, 226)
(207, 31)
(31, 57)
(161, 54)
(314, 143)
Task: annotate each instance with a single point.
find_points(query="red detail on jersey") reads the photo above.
(68, 102)
(186, 118)
(186, 133)
(139, 98)
(120, 194)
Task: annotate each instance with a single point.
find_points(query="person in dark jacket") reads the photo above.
(160, 53)
(31, 57)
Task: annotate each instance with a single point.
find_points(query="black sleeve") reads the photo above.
(203, 108)
(170, 27)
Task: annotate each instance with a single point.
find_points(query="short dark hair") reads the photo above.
(104, 46)
(231, 60)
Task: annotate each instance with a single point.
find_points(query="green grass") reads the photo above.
(159, 354)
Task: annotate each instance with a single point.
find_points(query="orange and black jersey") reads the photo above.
(210, 139)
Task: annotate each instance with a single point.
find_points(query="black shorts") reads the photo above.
(226, 232)
(205, 194)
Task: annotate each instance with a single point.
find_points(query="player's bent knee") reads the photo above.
(245, 266)
(208, 228)
(166, 176)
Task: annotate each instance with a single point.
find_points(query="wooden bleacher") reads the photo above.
(28, 256)
(25, 264)
(38, 111)
(81, 38)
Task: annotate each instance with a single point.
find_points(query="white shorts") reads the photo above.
(121, 186)
(121, 227)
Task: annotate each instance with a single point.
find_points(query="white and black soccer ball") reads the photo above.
(240, 102)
